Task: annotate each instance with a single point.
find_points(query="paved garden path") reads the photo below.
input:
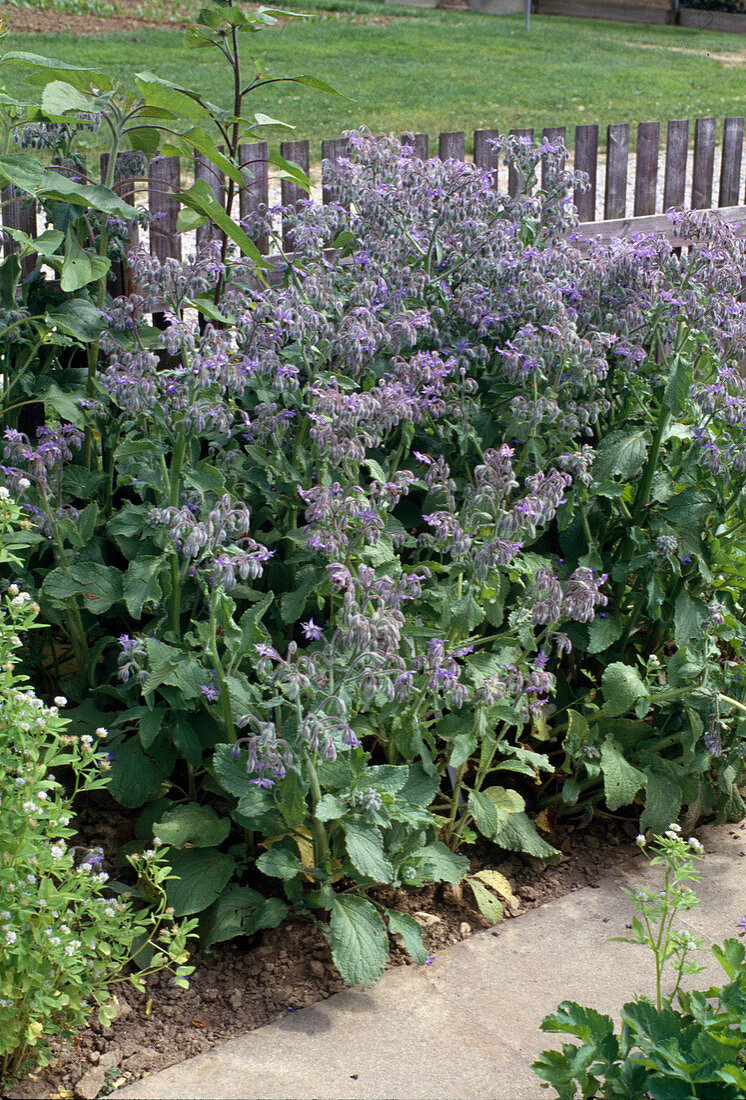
(467, 1026)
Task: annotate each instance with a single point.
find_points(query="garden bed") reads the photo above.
(248, 983)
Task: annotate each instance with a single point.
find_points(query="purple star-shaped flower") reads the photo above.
(210, 692)
(311, 631)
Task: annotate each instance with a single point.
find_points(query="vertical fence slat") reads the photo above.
(120, 277)
(253, 197)
(552, 134)
(485, 154)
(730, 163)
(452, 145)
(215, 179)
(514, 180)
(20, 213)
(164, 179)
(586, 160)
(646, 168)
(297, 153)
(419, 142)
(704, 162)
(617, 160)
(677, 151)
(332, 151)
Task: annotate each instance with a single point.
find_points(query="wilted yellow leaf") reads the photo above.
(496, 881)
(541, 821)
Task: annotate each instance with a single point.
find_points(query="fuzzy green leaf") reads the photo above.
(358, 941)
(201, 874)
(364, 845)
(621, 780)
(192, 824)
(401, 924)
(622, 688)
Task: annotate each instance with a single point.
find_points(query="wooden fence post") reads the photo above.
(514, 180)
(552, 134)
(730, 162)
(586, 160)
(617, 160)
(646, 169)
(677, 151)
(18, 212)
(164, 180)
(452, 145)
(253, 196)
(704, 163)
(485, 154)
(215, 179)
(292, 194)
(331, 150)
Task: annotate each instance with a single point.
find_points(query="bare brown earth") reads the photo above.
(128, 15)
(252, 982)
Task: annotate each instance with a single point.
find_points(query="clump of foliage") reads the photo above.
(661, 1052)
(66, 932)
(440, 529)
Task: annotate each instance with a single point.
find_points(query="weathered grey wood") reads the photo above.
(586, 160)
(164, 180)
(646, 169)
(292, 194)
(485, 154)
(331, 151)
(552, 134)
(677, 151)
(734, 216)
(704, 163)
(419, 142)
(452, 145)
(253, 197)
(215, 179)
(514, 179)
(18, 212)
(617, 160)
(730, 162)
(120, 279)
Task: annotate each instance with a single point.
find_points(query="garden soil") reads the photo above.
(248, 983)
(127, 15)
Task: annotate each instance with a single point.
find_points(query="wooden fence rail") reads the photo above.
(644, 174)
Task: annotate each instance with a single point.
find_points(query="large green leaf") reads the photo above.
(59, 97)
(518, 833)
(134, 776)
(79, 318)
(174, 98)
(622, 688)
(230, 772)
(239, 911)
(357, 938)
(192, 824)
(201, 197)
(663, 797)
(27, 173)
(441, 864)
(280, 863)
(364, 845)
(690, 614)
(620, 454)
(201, 874)
(622, 781)
(42, 68)
(401, 924)
(99, 586)
(141, 584)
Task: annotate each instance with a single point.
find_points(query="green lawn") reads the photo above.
(433, 71)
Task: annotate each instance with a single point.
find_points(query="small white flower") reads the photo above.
(23, 483)
(57, 851)
(10, 937)
(640, 840)
(30, 807)
(4, 494)
(60, 701)
(102, 732)
(675, 828)
(13, 589)
(695, 844)
(55, 941)
(42, 796)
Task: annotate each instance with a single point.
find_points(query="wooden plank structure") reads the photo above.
(668, 173)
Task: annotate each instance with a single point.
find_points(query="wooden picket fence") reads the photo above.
(660, 172)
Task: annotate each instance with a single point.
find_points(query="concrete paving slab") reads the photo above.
(466, 1027)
